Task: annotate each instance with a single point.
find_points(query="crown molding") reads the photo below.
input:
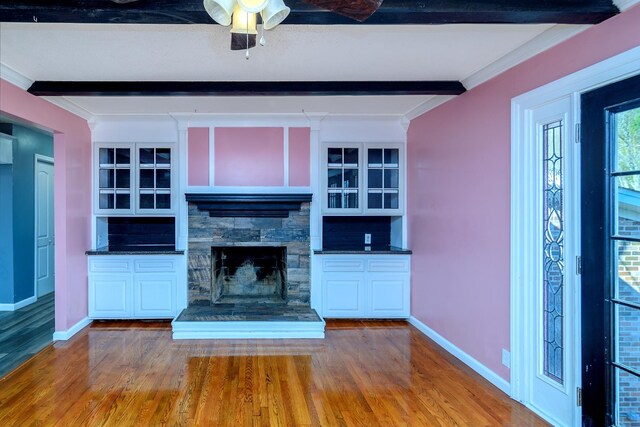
(430, 104)
(546, 40)
(71, 107)
(625, 4)
(549, 38)
(14, 77)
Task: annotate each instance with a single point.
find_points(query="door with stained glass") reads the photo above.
(550, 351)
(611, 254)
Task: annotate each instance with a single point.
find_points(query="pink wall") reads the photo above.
(299, 157)
(249, 156)
(198, 156)
(72, 206)
(458, 194)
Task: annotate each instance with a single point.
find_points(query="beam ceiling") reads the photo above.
(394, 12)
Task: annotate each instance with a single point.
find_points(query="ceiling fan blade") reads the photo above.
(359, 10)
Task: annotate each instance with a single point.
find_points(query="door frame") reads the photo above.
(39, 158)
(523, 198)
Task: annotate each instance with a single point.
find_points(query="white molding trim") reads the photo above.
(71, 107)
(625, 4)
(248, 190)
(545, 40)
(243, 329)
(15, 77)
(468, 360)
(18, 305)
(66, 335)
(428, 105)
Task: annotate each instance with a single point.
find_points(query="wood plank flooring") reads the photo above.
(374, 373)
(25, 332)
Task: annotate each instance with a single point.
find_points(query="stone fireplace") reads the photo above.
(249, 249)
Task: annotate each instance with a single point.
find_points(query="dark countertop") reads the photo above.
(141, 250)
(361, 251)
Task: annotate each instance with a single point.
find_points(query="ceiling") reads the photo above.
(470, 53)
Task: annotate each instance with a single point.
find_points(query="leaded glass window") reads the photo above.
(553, 256)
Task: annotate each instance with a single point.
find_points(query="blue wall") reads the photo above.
(6, 233)
(28, 143)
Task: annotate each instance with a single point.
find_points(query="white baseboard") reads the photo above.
(65, 335)
(487, 373)
(18, 305)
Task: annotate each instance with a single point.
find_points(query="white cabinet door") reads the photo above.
(110, 296)
(344, 295)
(154, 295)
(388, 295)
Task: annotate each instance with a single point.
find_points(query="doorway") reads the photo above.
(610, 188)
(44, 266)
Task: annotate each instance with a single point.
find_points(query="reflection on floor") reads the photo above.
(377, 373)
(25, 332)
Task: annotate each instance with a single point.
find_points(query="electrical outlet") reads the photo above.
(367, 238)
(506, 358)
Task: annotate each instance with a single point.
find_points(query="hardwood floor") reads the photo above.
(25, 332)
(363, 374)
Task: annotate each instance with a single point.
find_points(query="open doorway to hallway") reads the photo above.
(27, 244)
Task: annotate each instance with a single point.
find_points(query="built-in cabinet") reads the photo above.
(365, 286)
(134, 178)
(133, 286)
(363, 179)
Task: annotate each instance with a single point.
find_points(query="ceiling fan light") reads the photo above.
(220, 10)
(274, 13)
(243, 22)
(253, 6)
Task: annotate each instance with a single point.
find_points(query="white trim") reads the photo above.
(625, 4)
(545, 40)
(428, 105)
(15, 77)
(212, 155)
(468, 360)
(248, 190)
(18, 305)
(66, 335)
(285, 149)
(71, 107)
(244, 329)
(38, 158)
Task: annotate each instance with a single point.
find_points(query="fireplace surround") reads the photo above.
(249, 249)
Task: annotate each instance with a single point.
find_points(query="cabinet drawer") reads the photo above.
(105, 264)
(343, 265)
(386, 265)
(154, 265)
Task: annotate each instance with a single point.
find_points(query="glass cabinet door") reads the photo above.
(114, 178)
(383, 178)
(342, 178)
(154, 169)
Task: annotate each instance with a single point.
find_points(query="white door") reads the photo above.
(44, 226)
(547, 334)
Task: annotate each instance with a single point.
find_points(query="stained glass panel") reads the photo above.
(553, 256)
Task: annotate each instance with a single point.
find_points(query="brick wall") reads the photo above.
(629, 323)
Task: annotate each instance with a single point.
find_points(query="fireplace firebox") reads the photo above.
(248, 274)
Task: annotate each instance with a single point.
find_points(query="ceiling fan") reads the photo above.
(242, 15)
